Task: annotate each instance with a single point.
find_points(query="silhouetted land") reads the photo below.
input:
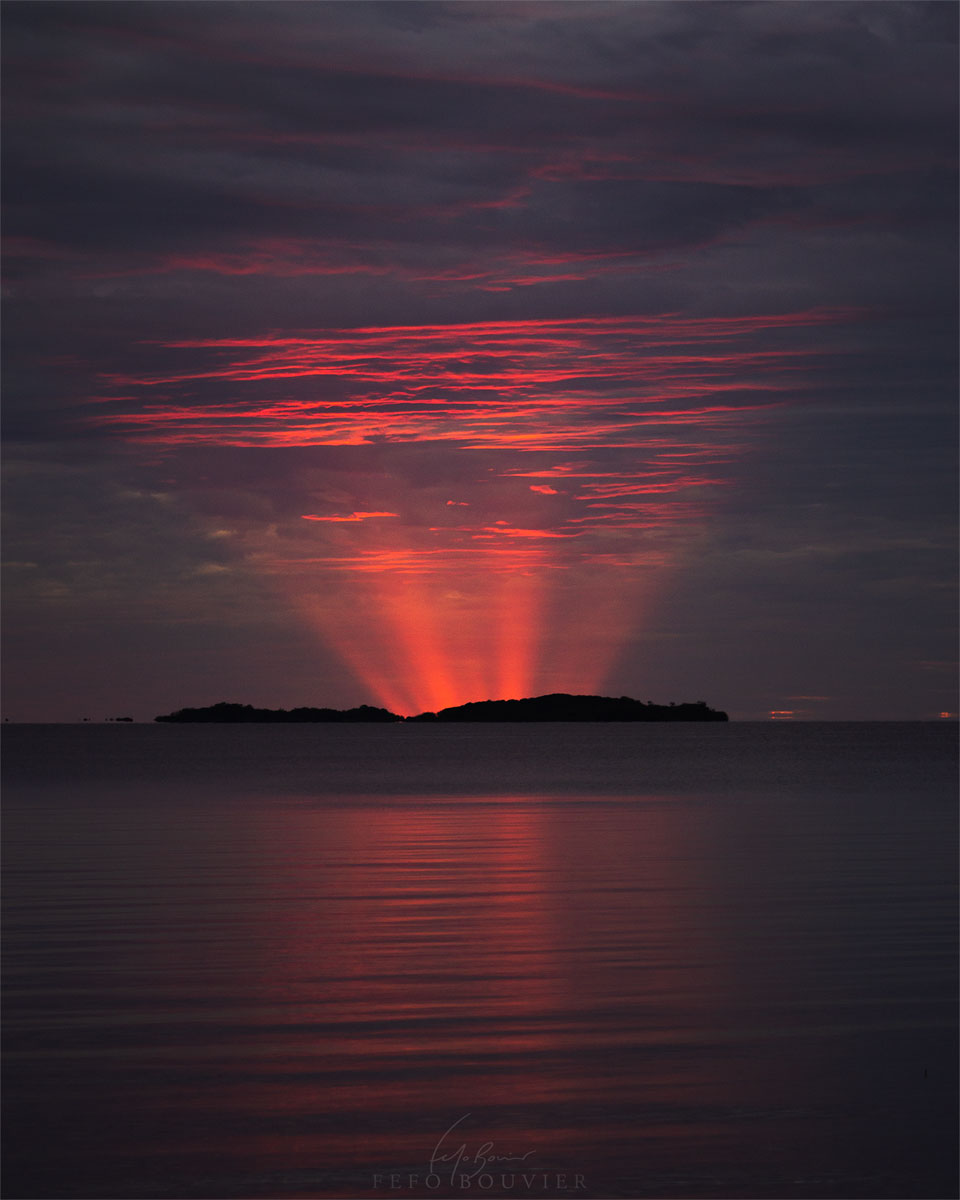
(247, 714)
(557, 707)
(561, 707)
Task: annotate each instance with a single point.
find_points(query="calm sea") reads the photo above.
(409, 961)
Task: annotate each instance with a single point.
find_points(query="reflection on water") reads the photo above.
(239, 992)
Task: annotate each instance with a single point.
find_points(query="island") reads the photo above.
(556, 707)
(561, 707)
(224, 713)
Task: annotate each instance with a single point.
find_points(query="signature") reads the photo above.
(458, 1156)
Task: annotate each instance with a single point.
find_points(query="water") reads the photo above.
(595, 961)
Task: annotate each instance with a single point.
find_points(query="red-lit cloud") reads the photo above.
(513, 586)
(348, 517)
(526, 384)
(462, 330)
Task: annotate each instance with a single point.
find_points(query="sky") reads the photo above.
(411, 354)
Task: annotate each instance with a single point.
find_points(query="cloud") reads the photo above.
(526, 308)
(354, 516)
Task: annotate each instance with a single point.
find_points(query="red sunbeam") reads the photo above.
(533, 588)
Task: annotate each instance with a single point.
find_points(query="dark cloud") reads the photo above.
(175, 174)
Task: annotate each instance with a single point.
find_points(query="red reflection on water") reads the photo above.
(441, 959)
(276, 995)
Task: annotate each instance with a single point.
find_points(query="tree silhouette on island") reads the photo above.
(556, 707)
(233, 714)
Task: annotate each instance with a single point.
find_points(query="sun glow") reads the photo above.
(594, 449)
(422, 641)
(428, 628)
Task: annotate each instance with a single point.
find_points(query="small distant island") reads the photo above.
(556, 707)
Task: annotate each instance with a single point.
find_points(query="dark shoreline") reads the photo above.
(558, 706)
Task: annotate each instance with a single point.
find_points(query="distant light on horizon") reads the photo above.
(782, 714)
